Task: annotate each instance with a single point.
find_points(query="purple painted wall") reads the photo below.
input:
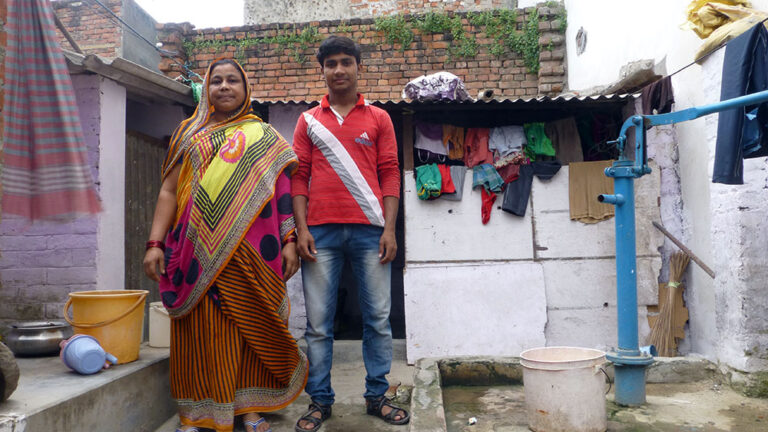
(43, 261)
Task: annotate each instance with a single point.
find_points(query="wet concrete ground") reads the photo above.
(702, 406)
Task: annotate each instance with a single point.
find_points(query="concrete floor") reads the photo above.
(692, 407)
(348, 380)
(51, 397)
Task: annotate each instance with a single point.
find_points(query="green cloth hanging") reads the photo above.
(428, 181)
(538, 143)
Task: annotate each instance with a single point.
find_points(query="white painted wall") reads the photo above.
(473, 289)
(708, 216)
(110, 260)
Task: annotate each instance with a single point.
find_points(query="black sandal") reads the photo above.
(373, 407)
(325, 413)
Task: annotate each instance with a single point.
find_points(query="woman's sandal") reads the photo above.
(374, 407)
(255, 424)
(325, 413)
(192, 429)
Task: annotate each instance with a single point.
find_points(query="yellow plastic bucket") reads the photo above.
(115, 318)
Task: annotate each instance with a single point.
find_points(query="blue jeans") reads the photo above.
(360, 245)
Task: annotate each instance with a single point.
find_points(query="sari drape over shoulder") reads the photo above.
(231, 350)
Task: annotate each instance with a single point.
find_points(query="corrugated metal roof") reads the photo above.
(564, 99)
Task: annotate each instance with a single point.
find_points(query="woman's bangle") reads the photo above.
(155, 243)
(291, 239)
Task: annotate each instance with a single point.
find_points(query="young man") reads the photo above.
(345, 196)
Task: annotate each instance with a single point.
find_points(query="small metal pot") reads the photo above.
(36, 338)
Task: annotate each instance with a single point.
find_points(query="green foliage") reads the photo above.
(343, 28)
(396, 30)
(526, 42)
(561, 14)
(292, 38)
(500, 26)
(440, 23)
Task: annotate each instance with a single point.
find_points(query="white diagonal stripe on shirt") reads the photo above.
(346, 168)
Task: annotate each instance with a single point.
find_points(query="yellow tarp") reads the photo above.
(718, 21)
(702, 17)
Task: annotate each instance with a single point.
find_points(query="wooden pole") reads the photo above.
(66, 34)
(682, 247)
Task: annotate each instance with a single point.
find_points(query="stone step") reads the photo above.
(128, 397)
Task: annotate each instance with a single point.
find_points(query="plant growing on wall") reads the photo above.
(501, 26)
(294, 39)
(396, 29)
(560, 14)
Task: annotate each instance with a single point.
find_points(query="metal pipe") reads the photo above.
(629, 361)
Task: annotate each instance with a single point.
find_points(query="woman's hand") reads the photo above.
(154, 260)
(290, 260)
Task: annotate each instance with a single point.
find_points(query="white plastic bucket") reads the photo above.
(159, 326)
(564, 389)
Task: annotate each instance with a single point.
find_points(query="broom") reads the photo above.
(662, 333)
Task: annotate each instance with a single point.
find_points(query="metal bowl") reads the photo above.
(36, 338)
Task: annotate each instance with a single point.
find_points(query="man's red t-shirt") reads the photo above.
(346, 165)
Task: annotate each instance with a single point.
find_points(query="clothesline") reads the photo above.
(709, 53)
(112, 16)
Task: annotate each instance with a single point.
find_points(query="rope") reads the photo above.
(112, 16)
(709, 53)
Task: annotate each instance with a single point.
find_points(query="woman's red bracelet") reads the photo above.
(155, 243)
(289, 240)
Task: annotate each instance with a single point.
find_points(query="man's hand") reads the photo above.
(305, 245)
(290, 260)
(387, 247)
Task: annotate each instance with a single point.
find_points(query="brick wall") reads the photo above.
(92, 28)
(276, 75)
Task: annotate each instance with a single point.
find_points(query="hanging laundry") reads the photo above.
(446, 182)
(430, 137)
(538, 143)
(518, 192)
(565, 140)
(741, 132)
(476, 147)
(509, 172)
(46, 174)
(425, 157)
(508, 167)
(428, 182)
(587, 180)
(488, 198)
(506, 140)
(595, 130)
(545, 170)
(485, 175)
(458, 173)
(657, 97)
(453, 139)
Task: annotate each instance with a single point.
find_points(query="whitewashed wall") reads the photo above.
(618, 32)
(110, 258)
(518, 283)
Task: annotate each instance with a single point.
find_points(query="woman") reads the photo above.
(225, 206)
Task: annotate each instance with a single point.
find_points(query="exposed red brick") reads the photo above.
(386, 69)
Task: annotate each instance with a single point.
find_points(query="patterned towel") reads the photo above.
(45, 173)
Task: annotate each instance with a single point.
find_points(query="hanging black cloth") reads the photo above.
(742, 132)
(658, 96)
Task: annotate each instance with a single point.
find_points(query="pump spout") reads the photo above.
(617, 199)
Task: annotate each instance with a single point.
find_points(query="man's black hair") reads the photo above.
(335, 45)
